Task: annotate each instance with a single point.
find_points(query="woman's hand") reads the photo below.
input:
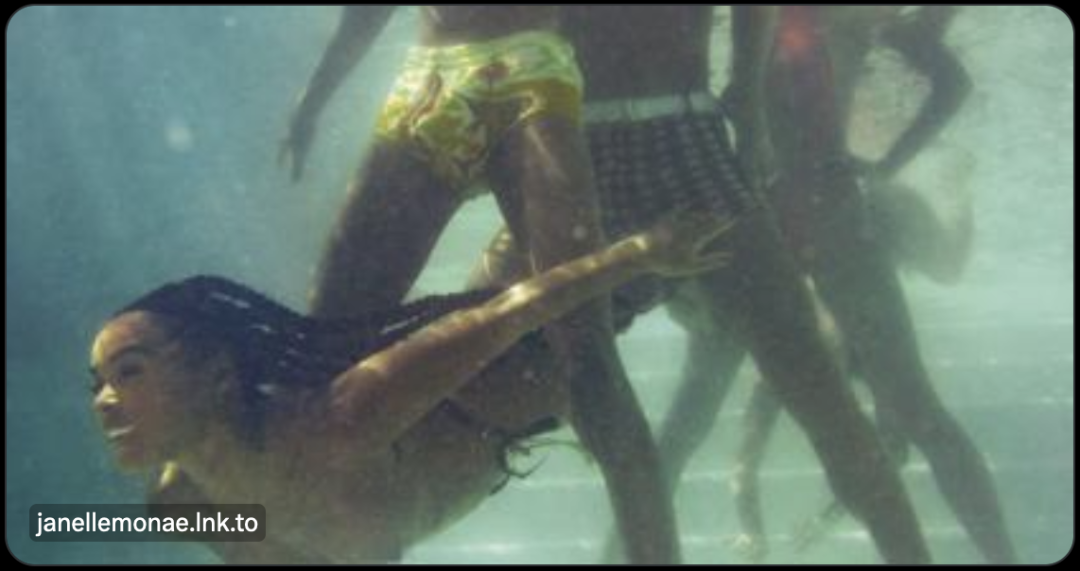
(294, 148)
(679, 244)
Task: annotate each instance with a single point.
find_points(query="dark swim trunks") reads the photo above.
(652, 156)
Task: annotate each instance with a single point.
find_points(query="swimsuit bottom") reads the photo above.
(452, 105)
(655, 155)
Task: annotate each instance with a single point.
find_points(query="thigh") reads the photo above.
(769, 307)
(862, 289)
(713, 357)
(760, 289)
(393, 215)
(543, 182)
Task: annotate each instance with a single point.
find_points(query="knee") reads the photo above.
(930, 429)
(613, 432)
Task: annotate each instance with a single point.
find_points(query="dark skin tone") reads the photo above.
(918, 37)
(360, 468)
(757, 301)
(637, 67)
(541, 176)
(449, 25)
(853, 272)
(630, 58)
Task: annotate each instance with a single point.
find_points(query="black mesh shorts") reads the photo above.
(645, 169)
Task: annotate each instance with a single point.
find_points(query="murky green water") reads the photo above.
(140, 147)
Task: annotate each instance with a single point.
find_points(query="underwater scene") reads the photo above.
(150, 144)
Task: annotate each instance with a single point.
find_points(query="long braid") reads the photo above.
(273, 345)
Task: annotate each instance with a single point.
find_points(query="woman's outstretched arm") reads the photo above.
(373, 403)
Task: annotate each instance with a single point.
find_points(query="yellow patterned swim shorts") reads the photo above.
(450, 105)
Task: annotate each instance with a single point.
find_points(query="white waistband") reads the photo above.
(643, 108)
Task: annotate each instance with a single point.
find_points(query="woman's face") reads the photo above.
(150, 401)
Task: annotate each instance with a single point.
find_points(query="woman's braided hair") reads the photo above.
(273, 345)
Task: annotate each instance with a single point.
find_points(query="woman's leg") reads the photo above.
(858, 281)
(543, 183)
(762, 413)
(764, 296)
(713, 357)
(393, 215)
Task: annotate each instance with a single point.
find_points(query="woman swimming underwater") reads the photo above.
(359, 437)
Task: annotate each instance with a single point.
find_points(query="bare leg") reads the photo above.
(862, 289)
(712, 359)
(710, 365)
(896, 445)
(763, 295)
(891, 430)
(762, 412)
(393, 215)
(543, 182)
